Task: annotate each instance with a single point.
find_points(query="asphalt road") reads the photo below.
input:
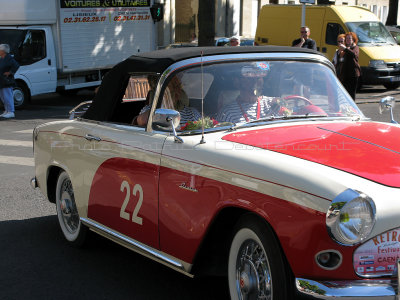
(36, 262)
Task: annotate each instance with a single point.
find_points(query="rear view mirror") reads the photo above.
(79, 110)
(168, 119)
(387, 104)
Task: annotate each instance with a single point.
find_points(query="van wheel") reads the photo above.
(391, 85)
(68, 218)
(256, 266)
(21, 95)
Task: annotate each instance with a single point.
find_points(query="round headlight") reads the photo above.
(351, 217)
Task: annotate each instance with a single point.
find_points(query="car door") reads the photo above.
(329, 38)
(38, 62)
(124, 191)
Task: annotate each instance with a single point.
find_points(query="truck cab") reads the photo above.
(33, 49)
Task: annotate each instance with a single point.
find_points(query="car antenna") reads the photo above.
(202, 141)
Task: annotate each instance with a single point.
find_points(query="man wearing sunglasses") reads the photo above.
(304, 41)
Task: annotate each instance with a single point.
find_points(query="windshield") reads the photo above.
(371, 33)
(13, 37)
(246, 92)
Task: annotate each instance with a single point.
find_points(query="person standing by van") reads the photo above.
(304, 41)
(340, 40)
(8, 67)
(348, 69)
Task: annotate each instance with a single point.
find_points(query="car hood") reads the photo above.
(388, 53)
(367, 149)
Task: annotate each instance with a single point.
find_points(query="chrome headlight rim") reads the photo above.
(333, 216)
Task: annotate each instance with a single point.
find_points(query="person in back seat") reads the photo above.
(174, 98)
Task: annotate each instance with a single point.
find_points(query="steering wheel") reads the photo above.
(298, 98)
(307, 107)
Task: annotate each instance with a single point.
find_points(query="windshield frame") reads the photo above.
(173, 69)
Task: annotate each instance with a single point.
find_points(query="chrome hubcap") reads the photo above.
(252, 272)
(18, 97)
(68, 208)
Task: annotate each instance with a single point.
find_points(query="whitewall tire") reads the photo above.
(68, 218)
(256, 268)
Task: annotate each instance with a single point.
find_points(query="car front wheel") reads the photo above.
(256, 267)
(68, 218)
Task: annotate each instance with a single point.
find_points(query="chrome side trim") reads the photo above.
(352, 290)
(151, 252)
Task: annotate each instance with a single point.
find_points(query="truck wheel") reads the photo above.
(21, 95)
(391, 85)
(68, 218)
(256, 267)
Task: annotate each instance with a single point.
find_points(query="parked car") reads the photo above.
(254, 163)
(246, 42)
(221, 41)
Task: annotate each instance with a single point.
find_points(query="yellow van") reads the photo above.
(379, 53)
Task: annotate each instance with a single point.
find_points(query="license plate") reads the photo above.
(396, 78)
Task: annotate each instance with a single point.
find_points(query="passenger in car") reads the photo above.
(174, 98)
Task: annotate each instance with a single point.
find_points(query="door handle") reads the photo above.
(90, 137)
(49, 62)
(324, 50)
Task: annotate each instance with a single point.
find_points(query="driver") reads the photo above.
(249, 104)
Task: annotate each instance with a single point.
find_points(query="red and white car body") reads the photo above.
(313, 193)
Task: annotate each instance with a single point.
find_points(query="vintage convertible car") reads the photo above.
(251, 162)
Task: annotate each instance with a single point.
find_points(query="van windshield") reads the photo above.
(13, 37)
(371, 33)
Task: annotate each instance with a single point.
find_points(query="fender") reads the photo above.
(19, 76)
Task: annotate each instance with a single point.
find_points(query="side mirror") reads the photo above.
(168, 119)
(79, 110)
(387, 104)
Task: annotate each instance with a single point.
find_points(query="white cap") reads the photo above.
(235, 37)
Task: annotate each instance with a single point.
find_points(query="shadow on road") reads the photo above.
(36, 263)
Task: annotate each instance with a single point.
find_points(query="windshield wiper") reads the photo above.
(271, 118)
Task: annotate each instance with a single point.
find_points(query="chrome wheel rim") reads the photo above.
(19, 97)
(68, 210)
(253, 276)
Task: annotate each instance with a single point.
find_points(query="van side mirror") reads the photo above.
(387, 104)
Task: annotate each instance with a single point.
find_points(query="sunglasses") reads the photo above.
(340, 41)
(303, 31)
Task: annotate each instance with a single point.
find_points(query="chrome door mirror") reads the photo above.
(79, 110)
(387, 104)
(168, 119)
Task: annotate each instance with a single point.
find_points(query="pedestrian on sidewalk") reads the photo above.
(304, 41)
(348, 69)
(8, 67)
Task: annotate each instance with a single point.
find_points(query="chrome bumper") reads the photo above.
(34, 184)
(357, 289)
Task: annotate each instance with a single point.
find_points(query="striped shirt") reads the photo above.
(187, 114)
(237, 113)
